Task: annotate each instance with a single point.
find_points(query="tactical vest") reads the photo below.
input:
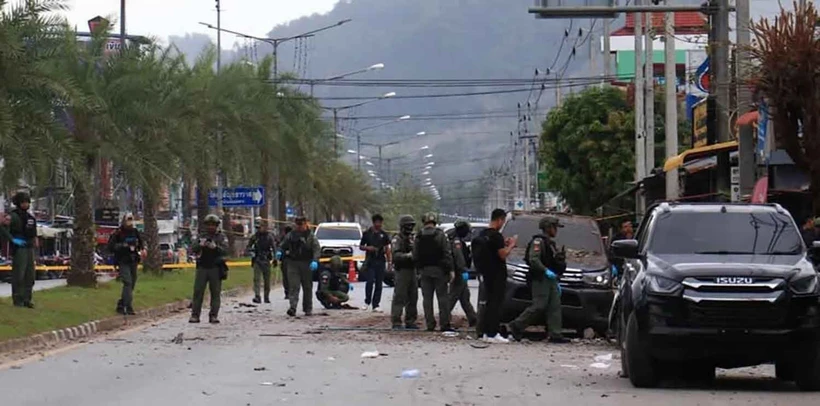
(27, 228)
(263, 246)
(543, 249)
(209, 256)
(429, 251)
(300, 250)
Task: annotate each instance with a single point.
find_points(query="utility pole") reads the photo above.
(380, 165)
(607, 50)
(640, 142)
(746, 137)
(336, 133)
(720, 90)
(219, 175)
(649, 100)
(359, 151)
(671, 127)
(122, 26)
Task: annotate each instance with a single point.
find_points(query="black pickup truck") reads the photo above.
(717, 285)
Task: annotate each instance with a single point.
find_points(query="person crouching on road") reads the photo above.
(547, 264)
(333, 285)
(126, 245)
(435, 263)
(406, 291)
(210, 247)
(376, 244)
(261, 247)
(22, 233)
(462, 260)
(301, 251)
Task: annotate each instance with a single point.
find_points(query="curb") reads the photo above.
(92, 328)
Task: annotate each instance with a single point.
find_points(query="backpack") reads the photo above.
(480, 253)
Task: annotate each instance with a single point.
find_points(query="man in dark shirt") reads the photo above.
(126, 245)
(491, 251)
(376, 244)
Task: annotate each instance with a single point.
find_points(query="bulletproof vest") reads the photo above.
(130, 237)
(264, 244)
(300, 250)
(543, 249)
(429, 250)
(468, 254)
(27, 228)
(209, 256)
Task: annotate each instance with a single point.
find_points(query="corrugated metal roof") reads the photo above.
(690, 22)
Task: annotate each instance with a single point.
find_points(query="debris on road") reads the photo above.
(276, 335)
(450, 334)
(410, 373)
(177, 339)
(479, 345)
(602, 361)
(278, 385)
(603, 358)
(246, 305)
(331, 359)
(599, 365)
(589, 333)
(259, 369)
(372, 354)
(569, 366)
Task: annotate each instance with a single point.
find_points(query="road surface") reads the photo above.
(258, 356)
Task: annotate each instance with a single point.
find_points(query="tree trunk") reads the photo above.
(187, 197)
(227, 228)
(265, 211)
(153, 262)
(83, 241)
(281, 211)
(203, 184)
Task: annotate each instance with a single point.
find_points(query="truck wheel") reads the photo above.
(807, 371)
(639, 362)
(784, 370)
(621, 334)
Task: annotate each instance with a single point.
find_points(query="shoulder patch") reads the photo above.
(536, 245)
(457, 244)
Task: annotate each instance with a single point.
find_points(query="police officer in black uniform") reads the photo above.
(22, 232)
(125, 245)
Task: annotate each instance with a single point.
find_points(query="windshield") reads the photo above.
(338, 233)
(578, 233)
(725, 233)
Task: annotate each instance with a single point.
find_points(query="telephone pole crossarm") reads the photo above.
(612, 12)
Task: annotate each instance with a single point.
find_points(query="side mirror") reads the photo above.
(625, 249)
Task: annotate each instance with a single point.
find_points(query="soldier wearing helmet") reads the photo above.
(406, 291)
(434, 260)
(300, 248)
(22, 232)
(333, 285)
(547, 264)
(211, 248)
(261, 246)
(462, 261)
(126, 245)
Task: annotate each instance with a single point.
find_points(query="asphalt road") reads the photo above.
(298, 362)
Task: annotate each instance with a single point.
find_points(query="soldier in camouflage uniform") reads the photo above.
(406, 291)
(333, 285)
(300, 248)
(434, 260)
(210, 247)
(462, 259)
(22, 233)
(547, 264)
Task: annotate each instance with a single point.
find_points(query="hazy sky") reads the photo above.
(161, 18)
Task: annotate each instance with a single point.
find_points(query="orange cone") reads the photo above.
(351, 272)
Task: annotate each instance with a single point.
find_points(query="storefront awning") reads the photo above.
(677, 161)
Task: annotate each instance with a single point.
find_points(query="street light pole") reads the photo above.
(219, 175)
(122, 25)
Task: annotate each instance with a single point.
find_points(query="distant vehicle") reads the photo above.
(587, 289)
(711, 285)
(340, 237)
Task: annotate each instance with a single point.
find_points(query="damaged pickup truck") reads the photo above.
(717, 285)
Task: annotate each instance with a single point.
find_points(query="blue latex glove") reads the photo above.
(314, 265)
(465, 276)
(550, 275)
(614, 271)
(278, 255)
(19, 242)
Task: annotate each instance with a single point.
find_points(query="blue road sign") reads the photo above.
(239, 197)
(290, 211)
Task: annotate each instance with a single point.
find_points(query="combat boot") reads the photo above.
(120, 307)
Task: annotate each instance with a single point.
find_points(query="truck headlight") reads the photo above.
(804, 285)
(663, 286)
(599, 279)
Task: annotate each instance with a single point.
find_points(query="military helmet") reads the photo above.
(20, 197)
(462, 224)
(212, 219)
(336, 262)
(429, 217)
(548, 221)
(407, 220)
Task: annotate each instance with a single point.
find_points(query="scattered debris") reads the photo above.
(206, 393)
(410, 373)
(16, 367)
(331, 359)
(589, 333)
(479, 345)
(372, 354)
(450, 334)
(604, 395)
(278, 385)
(177, 339)
(603, 358)
(246, 305)
(569, 366)
(310, 353)
(276, 335)
(599, 365)
(260, 369)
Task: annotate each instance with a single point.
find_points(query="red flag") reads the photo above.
(761, 190)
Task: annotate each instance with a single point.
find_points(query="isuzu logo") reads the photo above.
(734, 280)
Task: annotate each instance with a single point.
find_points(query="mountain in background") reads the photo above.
(429, 40)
